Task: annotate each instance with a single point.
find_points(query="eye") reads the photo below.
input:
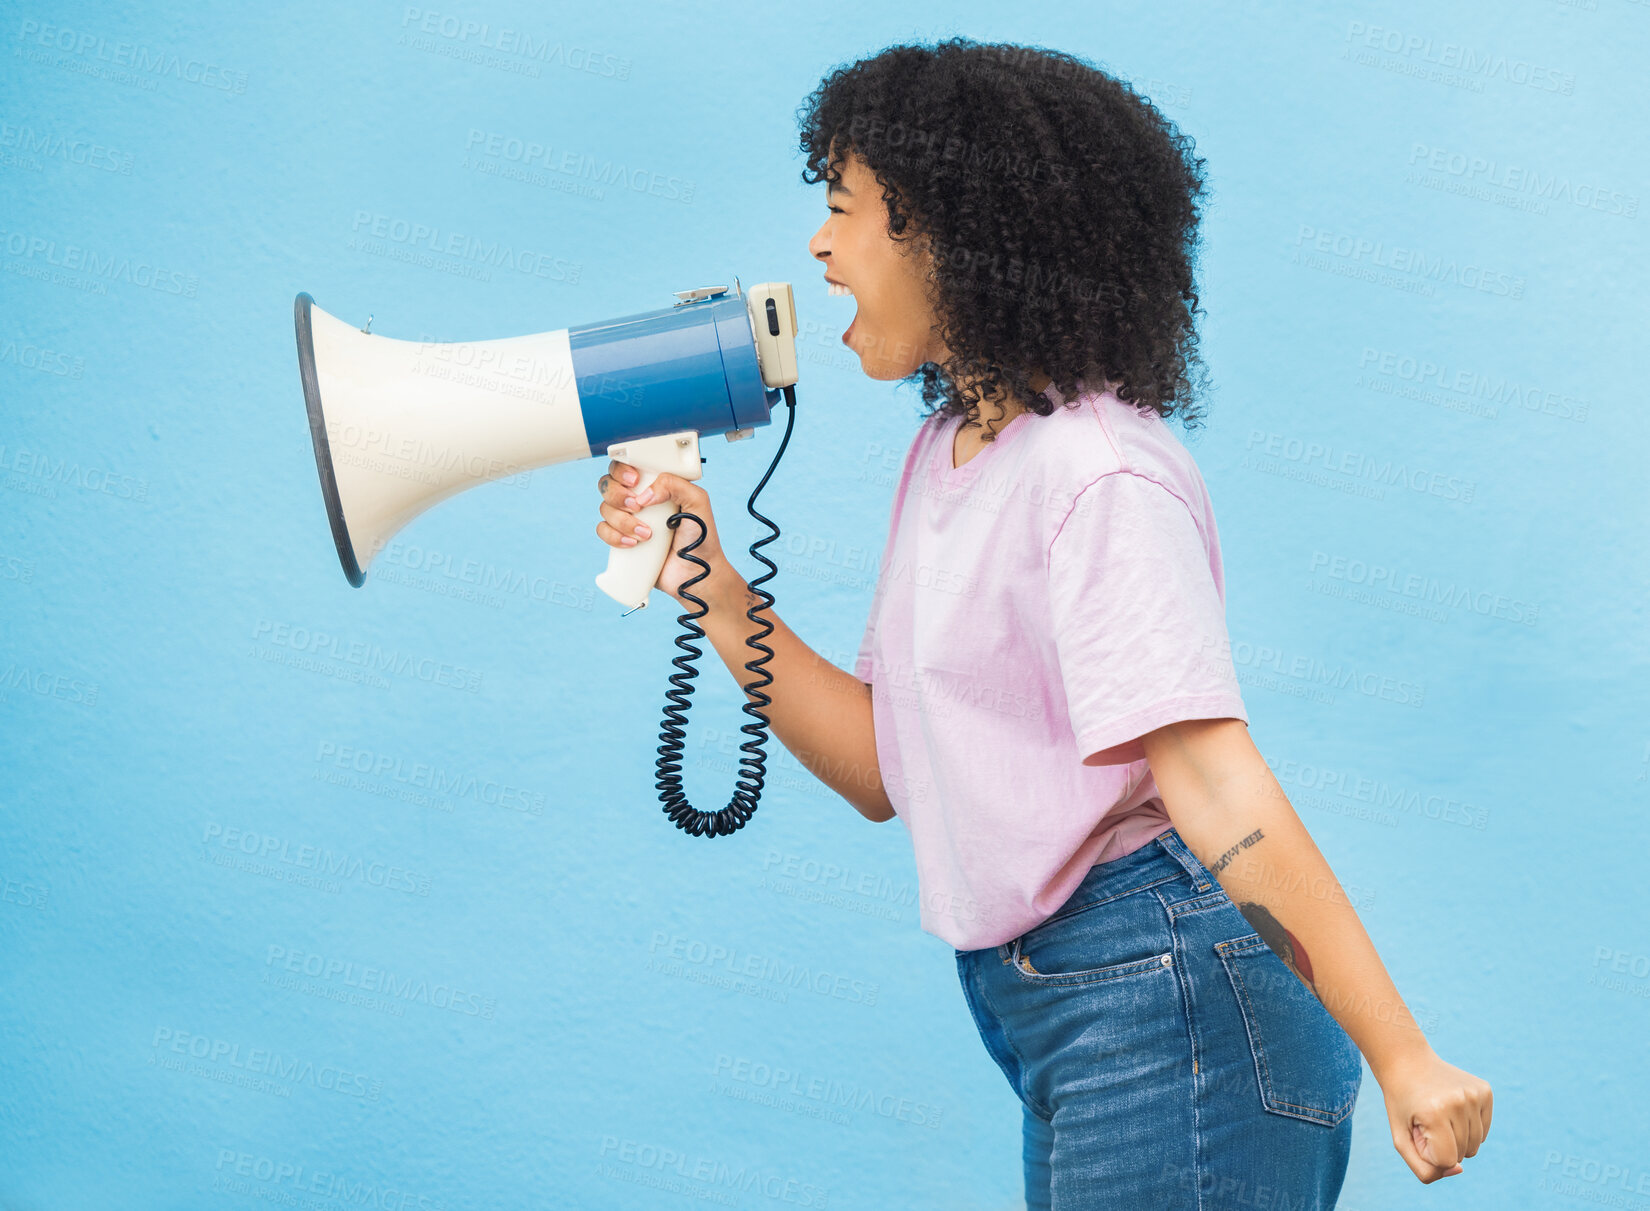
(836, 210)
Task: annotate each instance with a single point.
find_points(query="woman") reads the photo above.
(1154, 951)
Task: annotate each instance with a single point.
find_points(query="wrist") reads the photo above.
(722, 590)
(1390, 1066)
(729, 589)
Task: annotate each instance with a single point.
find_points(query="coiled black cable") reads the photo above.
(754, 764)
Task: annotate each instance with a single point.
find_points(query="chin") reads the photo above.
(884, 370)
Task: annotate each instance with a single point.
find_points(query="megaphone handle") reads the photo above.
(632, 571)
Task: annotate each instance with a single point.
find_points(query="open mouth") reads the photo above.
(837, 290)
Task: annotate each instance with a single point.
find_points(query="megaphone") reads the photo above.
(400, 425)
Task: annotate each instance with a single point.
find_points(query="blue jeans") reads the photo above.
(1164, 1056)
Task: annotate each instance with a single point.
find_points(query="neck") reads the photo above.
(998, 409)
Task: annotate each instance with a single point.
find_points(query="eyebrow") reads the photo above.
(837, 187)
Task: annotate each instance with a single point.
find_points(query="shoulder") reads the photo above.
(1096, 435)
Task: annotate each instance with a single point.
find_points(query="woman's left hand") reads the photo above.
(1438, 1114)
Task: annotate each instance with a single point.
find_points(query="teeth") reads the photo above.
(834, 288)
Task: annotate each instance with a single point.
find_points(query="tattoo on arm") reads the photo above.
(1283, 943)
(1220, 862)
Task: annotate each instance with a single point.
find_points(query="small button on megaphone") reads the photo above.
(399, 425)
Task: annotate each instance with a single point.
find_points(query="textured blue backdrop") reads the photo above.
(1425, 288)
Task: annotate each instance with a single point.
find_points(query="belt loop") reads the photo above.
(1006, 950)
(1171, 841)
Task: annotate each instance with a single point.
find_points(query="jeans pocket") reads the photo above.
(1115, 939)
(1306, 1065)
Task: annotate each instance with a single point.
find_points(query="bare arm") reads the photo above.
(820, 713)
(1223, 800)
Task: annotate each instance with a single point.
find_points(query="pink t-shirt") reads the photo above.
(1053, 599)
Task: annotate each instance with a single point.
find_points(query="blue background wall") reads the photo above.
(1426, 315)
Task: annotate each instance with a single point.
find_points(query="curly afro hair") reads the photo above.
(1060, 207)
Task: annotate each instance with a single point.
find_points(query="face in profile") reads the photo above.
(893, 324)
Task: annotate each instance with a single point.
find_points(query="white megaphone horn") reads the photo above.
(399, 425)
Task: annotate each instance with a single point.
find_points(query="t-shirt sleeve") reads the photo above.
(1139, 621)
(863, 665)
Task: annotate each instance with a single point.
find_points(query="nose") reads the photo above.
(819, 247)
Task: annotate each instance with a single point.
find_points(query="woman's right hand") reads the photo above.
(621, 503)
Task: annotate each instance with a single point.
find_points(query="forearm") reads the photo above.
(1250, 838)
(820, 713)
